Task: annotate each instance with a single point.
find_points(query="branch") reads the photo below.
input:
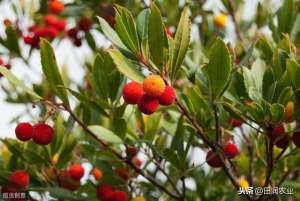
(119, 156)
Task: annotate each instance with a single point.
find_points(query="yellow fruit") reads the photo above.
(138, 199)
(154, 85)
(220, 20)
(5, 154)
(55, 159)
(289, 111)
(243, 183)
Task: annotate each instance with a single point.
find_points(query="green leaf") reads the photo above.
(286, 95)
(181, 43)
(12, 40)
(111, 34)
(152, 126)
(172, 157)
(286, 16)
(219, 67)
(293, 69)
(125, 66)
(51, 71)
(156, 35)
(277, 112)
(142, 23)
(105, 134)
(264, 48)
(125, 27)
(19, 83)
(64, 194)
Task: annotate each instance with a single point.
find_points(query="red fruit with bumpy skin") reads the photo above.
(43, 134)
(148, 104)
(279, 137)
(60, 25)
(67, 182)
(119, 196)
(104, 192)
(235, 122)
(24, 131)
(168, 97)
(28, 40)
(85, 24)
(213, 160)
(72, 33)
(50, 20)
(231, 150)
(132, 92)
(76, 171)
(137, 162)
(51, 32)
(132, 152)
(19, 179)
(296, 139)
(56, 6)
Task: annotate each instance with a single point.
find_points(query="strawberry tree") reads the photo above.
(162, 90)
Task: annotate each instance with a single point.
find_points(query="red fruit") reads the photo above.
(24, 131)
(279, 137)
(231, 150)
(296, 139)
(32, 28)
(51, 32)
(67, 182)
(85, 24)
(168, 97)
(148, 104)
(213, 159)
(123, 173)
(76, 171)
(137, 162)
(132, 92)
(77, 42)
(55, 6)
(43, 134)
(235, 122)
(169, 31)
(28, 40)
(50, 20)
(72, 33)
(7, 22)
(132, 152)
(41, 32)
(119, 196)
(19, 179)
(60, 25)
(104, 192)
(97, 173)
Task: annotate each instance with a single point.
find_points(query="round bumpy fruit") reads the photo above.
(296, 139)
(279, 137)
(76, 171)
(148, 104)
(235, 122)
(138, 199)
(104, 192)
(220, 20)
(85, 24)
(168, 97)
(67, 182)
(97, 173)
(43, 134)
(289, 112)
(56, 6)
(24, 131)
(213, 160)
(154, 85)
(132, 92)
(19, 179)
(231, 150)
(119, 196)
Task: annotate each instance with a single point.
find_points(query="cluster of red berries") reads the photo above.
(281, 139)
(41, 133)
(84, 24)
(149, 95)
(18, 181)
(2, 64)
(106, 192)
(51, 26)
(230, 151)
